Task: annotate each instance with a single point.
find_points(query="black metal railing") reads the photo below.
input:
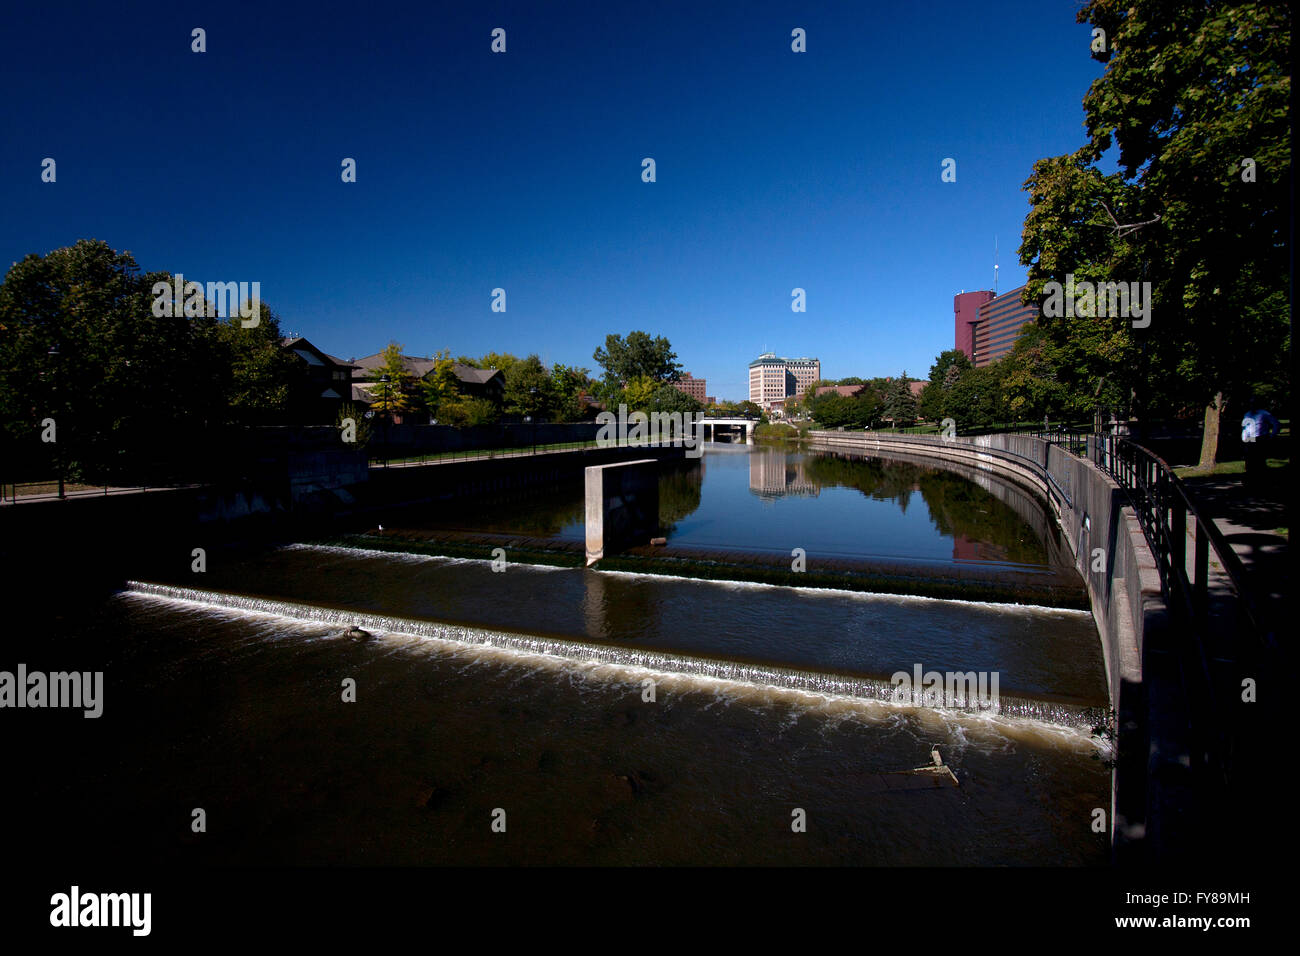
(1219, 631)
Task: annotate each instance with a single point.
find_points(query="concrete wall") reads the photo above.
(430, 439)
(438, 480)
(622, 505)
(1132, 618)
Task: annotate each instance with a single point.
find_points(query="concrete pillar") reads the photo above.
(622, 505)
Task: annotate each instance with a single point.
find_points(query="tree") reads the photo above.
(900, 404)
(260, 374)
(1029, 381)
(565, 390)
(638, 356)
(395, 395)
(80, 344)
(947, 367)
(976, 399)
(1195, 98)
(497, 360)
(440, 386)
(636, 395)
(527, 387)
(467, 411)
(670, 398)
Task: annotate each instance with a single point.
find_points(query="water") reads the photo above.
(525, 691)
(769, 500)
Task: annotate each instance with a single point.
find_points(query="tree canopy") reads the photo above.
(1192, 108)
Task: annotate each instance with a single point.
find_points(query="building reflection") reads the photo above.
(775, 474)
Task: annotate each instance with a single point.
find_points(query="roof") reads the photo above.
(299, 342)
(417, 365)
(848, 391)
(479, 376)
(770, 358)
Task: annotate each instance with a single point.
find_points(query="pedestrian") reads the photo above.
(1258, 426)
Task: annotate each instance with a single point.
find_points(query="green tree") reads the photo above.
(565, 390)
(527, 388)
(900, 404)
(440, 386)
(636, 395)
(638, 356)
(468, 411)
(397, 395)
(670, 398)
(1190, 93)
(976, 399)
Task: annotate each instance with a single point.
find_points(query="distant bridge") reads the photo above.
(709, 425)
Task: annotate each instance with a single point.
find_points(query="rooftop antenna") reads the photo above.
(995, 266)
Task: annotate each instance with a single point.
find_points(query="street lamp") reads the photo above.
(384, 380)
(58, 455)
(532, 404)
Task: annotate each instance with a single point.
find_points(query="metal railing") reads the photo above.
(1219, 634)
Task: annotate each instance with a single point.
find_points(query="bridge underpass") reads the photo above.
(709, 427)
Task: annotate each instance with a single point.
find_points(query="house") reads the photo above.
(488, 383)
(848, 391)
(323, 385)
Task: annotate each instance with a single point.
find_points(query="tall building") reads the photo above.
(773, 379)
(694, 387)
(1001, 320)
(966, 315)
(986, 326)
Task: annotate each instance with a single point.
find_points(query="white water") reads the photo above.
(1013, 717)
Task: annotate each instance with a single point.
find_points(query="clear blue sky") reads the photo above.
(477, 170)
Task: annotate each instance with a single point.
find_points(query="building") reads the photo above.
(694, 387)
(324, 385)
(966, 315)
(985, 326)
(773, 379)
(1001, 320)
(489, 383)
(848, 391)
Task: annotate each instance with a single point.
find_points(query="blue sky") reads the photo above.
(522, 170)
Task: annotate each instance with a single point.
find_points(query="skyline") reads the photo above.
(775, 170)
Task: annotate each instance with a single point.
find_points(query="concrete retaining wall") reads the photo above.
(430, 439)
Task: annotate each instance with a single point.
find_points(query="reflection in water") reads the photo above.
(774, 473)
(764, 500)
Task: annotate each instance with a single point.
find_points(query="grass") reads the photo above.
(1233, 467)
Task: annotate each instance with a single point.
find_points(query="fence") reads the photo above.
(1219, 632)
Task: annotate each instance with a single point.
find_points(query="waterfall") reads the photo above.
(761, 675)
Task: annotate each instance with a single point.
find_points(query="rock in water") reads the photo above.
(357, 634)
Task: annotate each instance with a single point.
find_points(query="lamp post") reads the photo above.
(384, 380)
(54, 386)
(532, 404)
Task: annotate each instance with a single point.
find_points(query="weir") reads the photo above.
(869, 690)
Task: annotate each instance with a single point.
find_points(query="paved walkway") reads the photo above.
(1251, 520)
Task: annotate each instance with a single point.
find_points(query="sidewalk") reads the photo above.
(1250, 520)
